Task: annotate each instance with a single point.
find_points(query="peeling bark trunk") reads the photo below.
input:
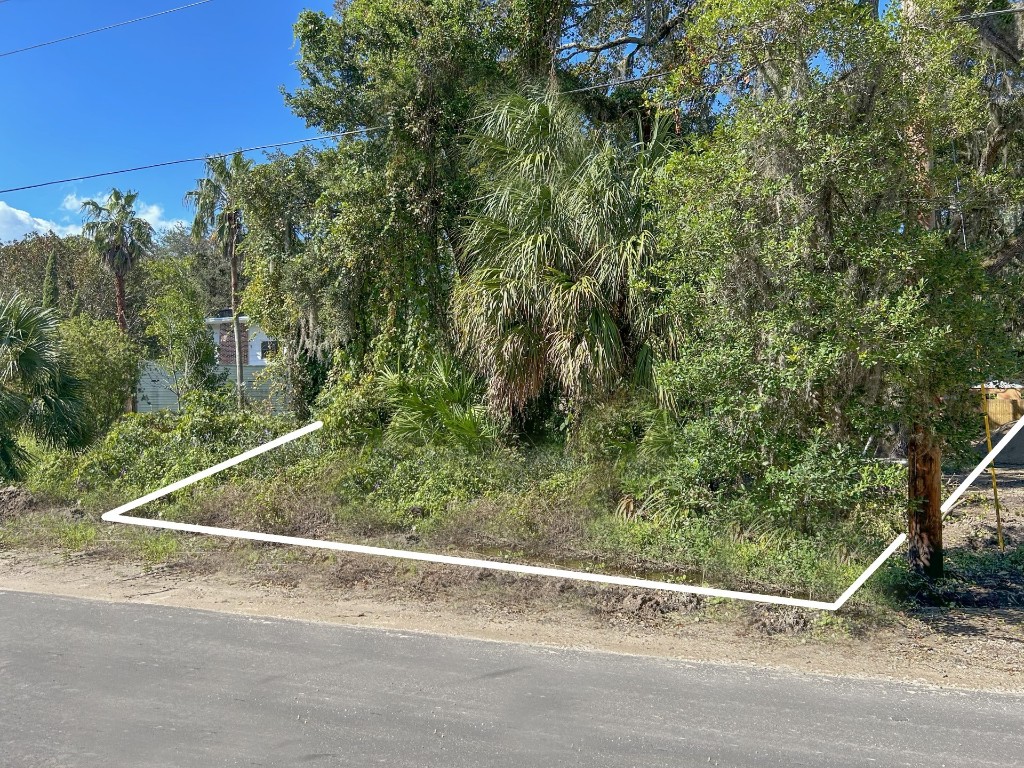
(924, 494)
(122, 317)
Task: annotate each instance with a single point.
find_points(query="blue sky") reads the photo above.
(199, 81)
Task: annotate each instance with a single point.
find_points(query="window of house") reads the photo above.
(267, 349)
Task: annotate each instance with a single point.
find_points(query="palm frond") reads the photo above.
(553, 250)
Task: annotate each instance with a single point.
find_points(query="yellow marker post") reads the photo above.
(992, 468)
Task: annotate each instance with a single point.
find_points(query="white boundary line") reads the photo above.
(989, 458)
(118, 516)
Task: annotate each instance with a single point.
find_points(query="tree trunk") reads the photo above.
(924, 492)
(122, 317)
(122, 323)
(235, 326)
(924, 456)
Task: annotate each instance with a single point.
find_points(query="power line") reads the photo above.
(182, 161)
(189, 160)
(983, 14)
(103, 29)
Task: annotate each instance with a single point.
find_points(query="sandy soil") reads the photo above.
(981, 649)
(978, 644)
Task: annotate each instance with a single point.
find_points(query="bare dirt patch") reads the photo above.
(14, 501)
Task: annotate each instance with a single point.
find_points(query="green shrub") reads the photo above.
(613, 430)
(144, 451)
(442, 406)
(106, 362)
(354, 413)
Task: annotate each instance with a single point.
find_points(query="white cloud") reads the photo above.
(16, 223)
(73, 202)
(152, 213)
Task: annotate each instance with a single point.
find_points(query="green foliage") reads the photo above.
(818, 302)
(440, 406)
(613, 430)
(149, 450)
(51, 290)
(37, 392)
(175, 319)
(106, 362)
(354, 413)
(403, 487)
(83, 285)
(215, 200)
(350, 249)
(118, 238)
(553, 251)
(207, 268)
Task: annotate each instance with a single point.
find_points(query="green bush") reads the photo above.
(354, 413)
(403, 485)
(106, 362)
(441, 405)
(144, 451)
(613, 430)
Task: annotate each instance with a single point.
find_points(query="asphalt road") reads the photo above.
(96, 684)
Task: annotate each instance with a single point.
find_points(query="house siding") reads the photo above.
(226, 346)
(155, 391)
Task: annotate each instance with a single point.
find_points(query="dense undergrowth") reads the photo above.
(600, 498)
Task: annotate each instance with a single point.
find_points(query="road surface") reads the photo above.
(86, 683)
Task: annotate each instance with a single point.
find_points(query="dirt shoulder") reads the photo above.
(972, 638)
(979, 649)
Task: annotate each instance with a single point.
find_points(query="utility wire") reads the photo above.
(190, 159)
(983, 14)
(166, 163)
(102, 29)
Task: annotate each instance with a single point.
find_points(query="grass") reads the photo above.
(542, 504)
(75, 536)
(156, 548)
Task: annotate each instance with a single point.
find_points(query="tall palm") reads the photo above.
(219, 214)
(119, 238)
(560, 235)
(36, 391)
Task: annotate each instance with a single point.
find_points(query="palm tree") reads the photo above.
(119, 238)
(36, 391)
(218, 213)
(560, 235)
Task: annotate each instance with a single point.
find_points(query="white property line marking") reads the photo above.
(962, 488)
(118, 516)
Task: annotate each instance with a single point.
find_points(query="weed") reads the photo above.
(158, 548)
(75, 536)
